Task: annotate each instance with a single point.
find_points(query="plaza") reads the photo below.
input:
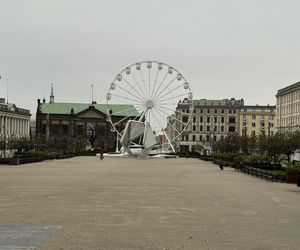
(124, 203)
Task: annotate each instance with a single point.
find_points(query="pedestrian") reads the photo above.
(241, 166)
(221, 165)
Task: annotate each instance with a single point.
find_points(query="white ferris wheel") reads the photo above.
(154, 89)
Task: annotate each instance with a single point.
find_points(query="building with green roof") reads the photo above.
(74, 127)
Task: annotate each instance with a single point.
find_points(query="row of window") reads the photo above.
(201, 111)
(208, 119)
(62, 129)
(201, 138)
(262, 124)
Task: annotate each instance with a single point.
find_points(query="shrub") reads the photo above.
(42, 154)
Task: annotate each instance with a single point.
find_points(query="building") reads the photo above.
(258, 120)
(288, 107)
(211, 120)
(14, 126)
(74, 127)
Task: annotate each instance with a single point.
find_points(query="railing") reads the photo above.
(264, 174)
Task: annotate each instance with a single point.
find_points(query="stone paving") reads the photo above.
(147, 204)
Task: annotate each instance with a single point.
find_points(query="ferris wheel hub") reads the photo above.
(149, 104)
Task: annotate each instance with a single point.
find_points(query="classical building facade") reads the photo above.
(73, 127)
(288, 107)
(14, 125)
(258, 120)
(211, 120)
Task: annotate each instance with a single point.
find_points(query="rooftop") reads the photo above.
(288, 89)
(12, 108)
(65, 108)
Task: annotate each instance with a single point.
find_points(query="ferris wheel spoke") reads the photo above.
(168, 103)
(155, 81)
(130, 93)
(138, 85)
(172, 97)
(158, 119)
(132, 87)
(143, 81)
(149, 83)
(185, 124)
(166, 87)
(170, 92)
(159, 86)
(126, 98)
(168, 122)
(176, 111)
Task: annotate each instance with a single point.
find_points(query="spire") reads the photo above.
(52, 95)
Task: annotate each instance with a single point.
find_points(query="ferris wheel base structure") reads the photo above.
(154, 89)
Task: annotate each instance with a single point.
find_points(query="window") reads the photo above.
(222, 128)
(194, 119)
(222, 111)
(187, 138)
(208, 111)
(200, 138)
(230, 111)
(244, 124)
(262, 124)
(194, 128)
(55, 129)
(216, 111)
(215, 119)
(201, 119)
(201, 111)
(208, 119)
(215, 138)
(253, 124)
(231, 119)
(201, 128)
(194, 138)
(253, 117)
(79, 129)
(215, 128)
(65, 129)
(44, 129)
(185, 119)
(207, 128)
(231, 129)
(182, 138)
(252, 133)
(222, 119)
(207, 138)
(234, 111)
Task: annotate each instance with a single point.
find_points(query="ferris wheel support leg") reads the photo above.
(173, 149)
(143, 115)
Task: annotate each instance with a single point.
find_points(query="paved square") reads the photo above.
(149, 204)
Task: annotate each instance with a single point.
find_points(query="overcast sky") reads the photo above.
(235, 48)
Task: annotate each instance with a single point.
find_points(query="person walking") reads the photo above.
(221, 165)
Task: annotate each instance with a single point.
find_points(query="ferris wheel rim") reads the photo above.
(147, 100)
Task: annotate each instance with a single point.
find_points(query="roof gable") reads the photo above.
(91, 113)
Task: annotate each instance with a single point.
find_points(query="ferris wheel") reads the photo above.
(150, 91)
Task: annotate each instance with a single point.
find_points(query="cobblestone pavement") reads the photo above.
(149, 204)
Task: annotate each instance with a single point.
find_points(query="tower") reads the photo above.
(52, 95)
